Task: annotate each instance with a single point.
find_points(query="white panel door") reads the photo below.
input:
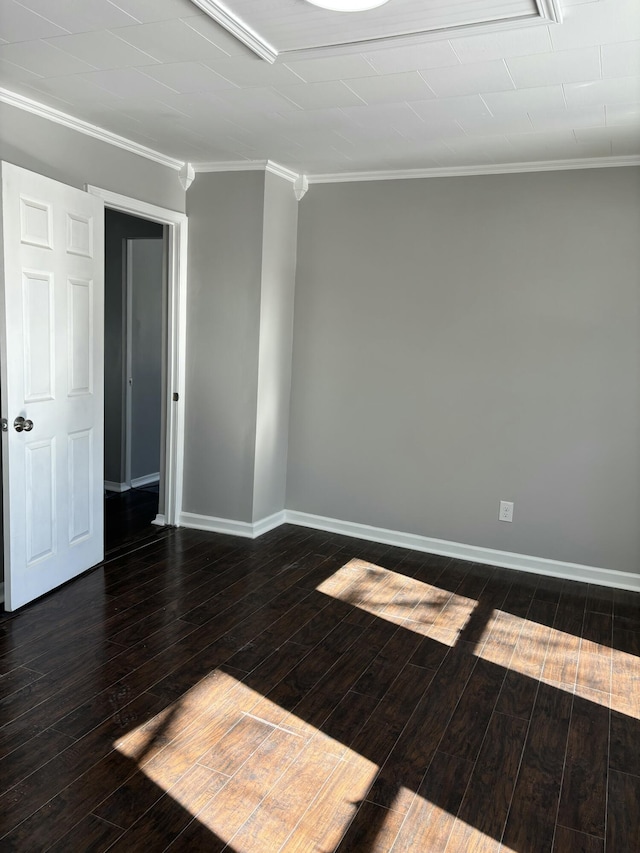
(52, 344)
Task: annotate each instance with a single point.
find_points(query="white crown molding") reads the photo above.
(408, 174)
(281, 171)
(476, 554)
(231, 166)
(461, 171)
(255, 166)
(300, 187)
(186, 176)
(414, 39)
(66, 120)
(548, 12)
(238, 28)
(29, 105)
(229, 526)
(248, 166)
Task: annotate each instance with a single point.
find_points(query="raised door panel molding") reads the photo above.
(40, 479)
(36, 220)
(39, 324)
(80, 235)
(80, 337)
(80, 453)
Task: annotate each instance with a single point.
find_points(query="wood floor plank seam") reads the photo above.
(471, 775)
(581, 831)
(324, 786)
(141, 816)
(194, 724)
(69, 688)
(43, 803)
(562, 776)
(104, 820)
(444, 728)
(266, 793)
(630, 775)
(537, 691)
(142, 641)
(606, 790)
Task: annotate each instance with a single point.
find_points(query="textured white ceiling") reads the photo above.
(162, 73)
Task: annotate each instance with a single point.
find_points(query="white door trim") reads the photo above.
(128, 300)
(176, 337)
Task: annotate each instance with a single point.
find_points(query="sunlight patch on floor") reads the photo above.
(420, 607)
(597, 672)
(593, 671)
(269, 760)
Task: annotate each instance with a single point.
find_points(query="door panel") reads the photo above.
(39, 351)
(80, 337)
(51, 301)
(36, 223)
(40, 475)
(80, 485)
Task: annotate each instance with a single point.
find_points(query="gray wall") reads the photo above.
(464, 340)
(242, 256)
(147, 282)
(223, 317)
(76, 159)
(118, 228)
(276, 340)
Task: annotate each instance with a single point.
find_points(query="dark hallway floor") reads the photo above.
(128, 520)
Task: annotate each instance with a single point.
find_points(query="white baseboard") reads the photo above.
(457, 550)
(147, 480)
(489, 556)
(268, 523)
(136, 483)
(110, 486)
(227, 525)
(159, 520)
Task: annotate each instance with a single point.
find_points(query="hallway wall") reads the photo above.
(118, 228)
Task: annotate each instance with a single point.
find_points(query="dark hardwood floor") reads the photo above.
(128, 518)
(309, 692)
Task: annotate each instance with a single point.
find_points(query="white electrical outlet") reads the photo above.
(506, 511)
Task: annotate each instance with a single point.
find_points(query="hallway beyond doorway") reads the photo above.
(128, 520)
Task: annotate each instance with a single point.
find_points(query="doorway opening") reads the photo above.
(160, 489)
(134, 378)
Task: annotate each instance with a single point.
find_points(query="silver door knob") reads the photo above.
(23, 425)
